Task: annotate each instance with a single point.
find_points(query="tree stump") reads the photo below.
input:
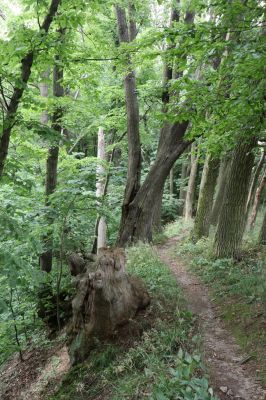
(107, 297)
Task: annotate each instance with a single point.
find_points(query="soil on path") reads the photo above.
(229, 379)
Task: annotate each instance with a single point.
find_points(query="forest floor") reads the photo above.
(230, 375)
(45, 373)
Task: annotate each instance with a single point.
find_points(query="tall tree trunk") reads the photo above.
(262, 235)
(221, 186)
(205, 203)
(46, 258)
(101, 236)
(255, 208)
(188, 210)
(138, 224)
(254, 182)
(185, 172)
(26, 65)
(126, 34)
(232, 217)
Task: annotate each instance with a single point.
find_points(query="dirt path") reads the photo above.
(229, 379)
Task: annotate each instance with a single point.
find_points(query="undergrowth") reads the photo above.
(238, 288)
(164, 363)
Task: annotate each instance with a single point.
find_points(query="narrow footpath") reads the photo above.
(229, 379)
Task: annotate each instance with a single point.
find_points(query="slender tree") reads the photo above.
(205, 203)
(188, 209)
(262, 235)
(46, 258)
(12, 106)
(255, 208)
(254, 182)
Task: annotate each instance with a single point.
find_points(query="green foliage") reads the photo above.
(165, 363)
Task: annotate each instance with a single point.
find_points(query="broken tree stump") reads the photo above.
(107, 297)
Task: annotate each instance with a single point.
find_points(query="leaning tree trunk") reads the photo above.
(262, 235)
(255, 208)
(127, 33)
(203, 216)
(26, 65)
(46, 258)
(139, 221)
(221, 187)
(232, 217)
(106, 298)
(188, 210)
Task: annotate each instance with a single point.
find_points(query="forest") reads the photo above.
(132, 200)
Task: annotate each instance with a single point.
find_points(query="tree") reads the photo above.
(262, 235)
(232, 218)
(206, 195)
(220, 191)
(46, 258)
(26, 65)
(258, 194)
(188, 208)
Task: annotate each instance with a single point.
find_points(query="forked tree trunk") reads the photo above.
(139, 221)
(232, 217)
(188, 209)
(255, 208)
(262, 235)
(220, 192)
(107, 297)
(127, 32)
(46, 258)
(26, 65)
(203, 216)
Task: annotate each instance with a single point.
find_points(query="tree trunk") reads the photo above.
(134, 148)
(255, 208)
(262, 235)
(185, 172)
(203, 216)
(101, 236)
(255, 179)
(188, 210)
(107, 298)
(139, 221)
(26, 64)
(232, 217)
(46, 258)
(221, 186)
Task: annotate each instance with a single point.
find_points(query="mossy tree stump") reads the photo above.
(107, 297)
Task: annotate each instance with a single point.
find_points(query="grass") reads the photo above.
(161, 359)
(239, 289)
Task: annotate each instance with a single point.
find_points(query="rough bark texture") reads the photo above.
(101, 234)
(262, 235)
(221, 186)
(46, 258)
(254, 182)
(203, 216)
(255, 208)
(107, 297)
(127, 33)
(26, 64)
(139, 221)
(232, 217)
(188, 209)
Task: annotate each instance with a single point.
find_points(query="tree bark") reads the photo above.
(262, 235)
(255, 179)
(232, 217)
(205, 203)
(185, 172)
(26, 65)
(139, 221)
(221, 186)
(46, 258)
(255, 208)
(106, 298)
(188, 210)
(101, 236)
(134, 147)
